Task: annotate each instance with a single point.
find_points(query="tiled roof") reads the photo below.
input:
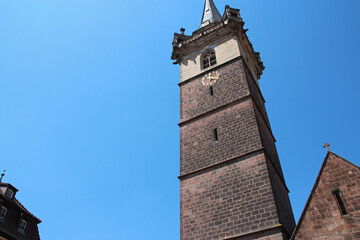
(18, 204)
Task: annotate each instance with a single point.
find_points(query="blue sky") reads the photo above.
(89, 104)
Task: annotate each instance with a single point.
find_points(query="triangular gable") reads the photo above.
(318, 179)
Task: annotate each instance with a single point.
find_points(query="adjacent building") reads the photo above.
(333, 208)
(16, 222)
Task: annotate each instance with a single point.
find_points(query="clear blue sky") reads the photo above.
(89, 104)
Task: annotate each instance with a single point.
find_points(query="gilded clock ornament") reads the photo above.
(210, 78)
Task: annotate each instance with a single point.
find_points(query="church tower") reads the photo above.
(231, 181)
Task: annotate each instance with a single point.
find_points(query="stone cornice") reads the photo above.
(231, 24)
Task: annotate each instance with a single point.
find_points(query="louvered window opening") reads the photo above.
(209, 59)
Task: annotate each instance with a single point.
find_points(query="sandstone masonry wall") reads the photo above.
(227, 201)
(323, 218)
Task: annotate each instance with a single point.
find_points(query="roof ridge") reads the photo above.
(310, 196)
(345, 160)
(25, 209)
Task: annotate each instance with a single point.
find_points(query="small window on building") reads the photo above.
(3, 211)
(9, 193)
(22, 225)
(340, 202)
(216, 137)
(211, 91)
(208, 59)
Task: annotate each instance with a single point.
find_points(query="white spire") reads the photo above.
(211, 14)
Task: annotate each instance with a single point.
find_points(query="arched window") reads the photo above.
(208, 59)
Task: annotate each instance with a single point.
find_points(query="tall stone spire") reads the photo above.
(211, 14)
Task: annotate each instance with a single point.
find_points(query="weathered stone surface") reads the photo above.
(226, 201)
(232, 186)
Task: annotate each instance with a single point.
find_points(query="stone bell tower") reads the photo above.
(231, 182)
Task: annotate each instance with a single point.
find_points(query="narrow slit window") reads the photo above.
(340, 202)
(216, 137)
(211, 91)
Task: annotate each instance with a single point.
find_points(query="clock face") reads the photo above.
(210, 78)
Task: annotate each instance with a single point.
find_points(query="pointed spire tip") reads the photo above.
(210, 14)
